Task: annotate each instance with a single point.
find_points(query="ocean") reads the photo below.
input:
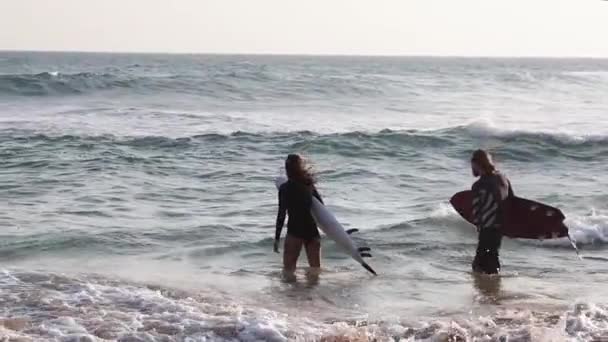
(138, 201)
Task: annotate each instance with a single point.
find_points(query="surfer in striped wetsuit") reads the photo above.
(489, 193)
(295, 200)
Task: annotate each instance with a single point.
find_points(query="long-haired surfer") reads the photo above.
(295, 201)
(489, 195)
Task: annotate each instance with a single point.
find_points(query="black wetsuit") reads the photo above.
(295, 199)
(489, 193)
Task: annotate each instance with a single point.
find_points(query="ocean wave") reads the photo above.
(488, 129)
(46, 306)
(32, 246)
(56, 83)
(555, 80)
(245, 82)
(275, 78)
(118, 241)
(457, 141)
(432, 138)
(590, 76)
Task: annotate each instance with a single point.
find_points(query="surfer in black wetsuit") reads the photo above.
(295, 200)
(489, 194)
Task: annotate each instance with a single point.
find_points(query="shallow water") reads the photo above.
(140, 201)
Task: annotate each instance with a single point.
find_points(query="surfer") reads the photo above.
(489, 193)
(295, 200)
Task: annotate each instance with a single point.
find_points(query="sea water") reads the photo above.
(138, 201)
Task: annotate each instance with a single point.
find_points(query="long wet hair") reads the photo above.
(298, 170)
(483, 159)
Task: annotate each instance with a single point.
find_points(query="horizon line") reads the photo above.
(270, 54)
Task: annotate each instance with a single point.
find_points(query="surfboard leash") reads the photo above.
(578, 253)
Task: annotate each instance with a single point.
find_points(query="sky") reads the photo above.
(343, 27)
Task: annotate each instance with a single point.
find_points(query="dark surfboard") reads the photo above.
(524, 219)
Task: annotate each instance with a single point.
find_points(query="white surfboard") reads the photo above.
(334, 230)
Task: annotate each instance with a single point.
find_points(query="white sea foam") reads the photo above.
(586, 231)
(56, 308)
(487, 128)
(591, 229)
(444, 210)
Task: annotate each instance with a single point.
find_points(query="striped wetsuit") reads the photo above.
(489, 192)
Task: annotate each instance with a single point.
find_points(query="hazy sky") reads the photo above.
(436, 27)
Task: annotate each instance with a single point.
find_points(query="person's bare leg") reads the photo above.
(313, 253)
(291, 253)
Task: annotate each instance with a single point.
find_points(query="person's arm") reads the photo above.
(477, 203)
(484, 207)
(281, 214)
(316, 194)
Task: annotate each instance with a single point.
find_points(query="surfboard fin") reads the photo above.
(366, 255)
(369, 268)
(350, 231)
